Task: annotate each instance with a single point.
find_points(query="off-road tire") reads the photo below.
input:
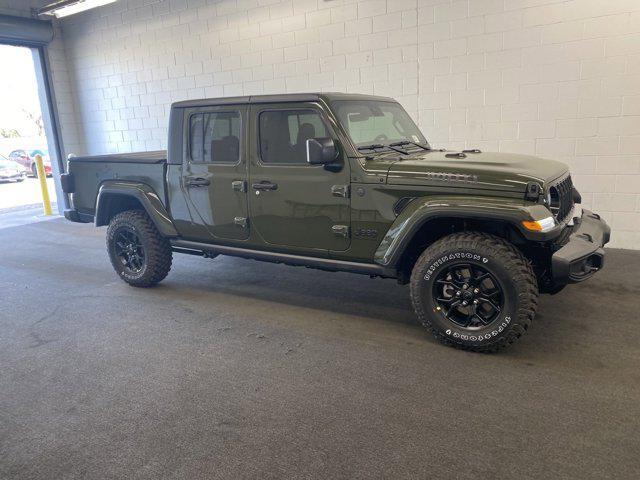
(157, 249)
(501, 259)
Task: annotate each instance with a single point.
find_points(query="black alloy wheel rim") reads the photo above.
(468, 295)
(129, 250)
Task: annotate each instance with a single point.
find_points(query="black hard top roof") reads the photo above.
(280, 98)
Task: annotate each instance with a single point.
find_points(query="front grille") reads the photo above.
(561, 198)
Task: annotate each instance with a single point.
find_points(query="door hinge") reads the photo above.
(341, 191)
(239, 186)
(341, 230)
(240, 221)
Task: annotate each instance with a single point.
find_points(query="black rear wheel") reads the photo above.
(474, 291)
(139, 254)
(128, 250)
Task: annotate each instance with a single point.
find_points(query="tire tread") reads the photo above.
(158, 251)
(512, 259)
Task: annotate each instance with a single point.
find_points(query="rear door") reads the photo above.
(215, 172)
(292, 203)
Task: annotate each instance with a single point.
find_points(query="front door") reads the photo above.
(292, 203)
(215, 172)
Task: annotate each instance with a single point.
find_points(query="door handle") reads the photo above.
(265, 185)
(198, 182)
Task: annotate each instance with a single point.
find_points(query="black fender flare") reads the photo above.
(424, 209)
(144, 194)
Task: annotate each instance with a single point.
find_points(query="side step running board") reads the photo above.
(197, 248)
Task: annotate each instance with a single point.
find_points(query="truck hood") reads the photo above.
(495, 171)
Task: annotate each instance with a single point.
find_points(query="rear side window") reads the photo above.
(284, 134)
(215, 137)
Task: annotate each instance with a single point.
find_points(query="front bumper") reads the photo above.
(583, 255)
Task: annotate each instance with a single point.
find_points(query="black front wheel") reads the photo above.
(474, 291)
(468, 295)
(139, 254)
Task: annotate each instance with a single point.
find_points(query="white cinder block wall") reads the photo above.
(555, 78)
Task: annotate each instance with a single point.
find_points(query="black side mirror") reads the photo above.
(321, 151)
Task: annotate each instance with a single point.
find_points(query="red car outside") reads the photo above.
(27, 158)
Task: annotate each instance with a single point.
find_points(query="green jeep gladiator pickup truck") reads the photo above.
(347, 183)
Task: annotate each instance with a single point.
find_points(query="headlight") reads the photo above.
(543, 225)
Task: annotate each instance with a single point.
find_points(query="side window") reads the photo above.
(284, 134)
(215, 137)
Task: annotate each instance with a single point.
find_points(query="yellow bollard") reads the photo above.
(42, 176)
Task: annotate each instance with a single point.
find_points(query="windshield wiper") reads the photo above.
(393, 146)
(407, 142)
(373, 146)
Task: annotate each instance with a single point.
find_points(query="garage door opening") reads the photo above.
(22, 137)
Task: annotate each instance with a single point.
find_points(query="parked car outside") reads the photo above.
(27, 158)
(10, 171)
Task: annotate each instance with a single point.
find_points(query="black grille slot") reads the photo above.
(562, 198)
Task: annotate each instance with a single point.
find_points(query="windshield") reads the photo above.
(371, 122)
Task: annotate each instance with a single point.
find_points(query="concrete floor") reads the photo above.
(239, 369)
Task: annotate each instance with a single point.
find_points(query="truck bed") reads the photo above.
(90, 172)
